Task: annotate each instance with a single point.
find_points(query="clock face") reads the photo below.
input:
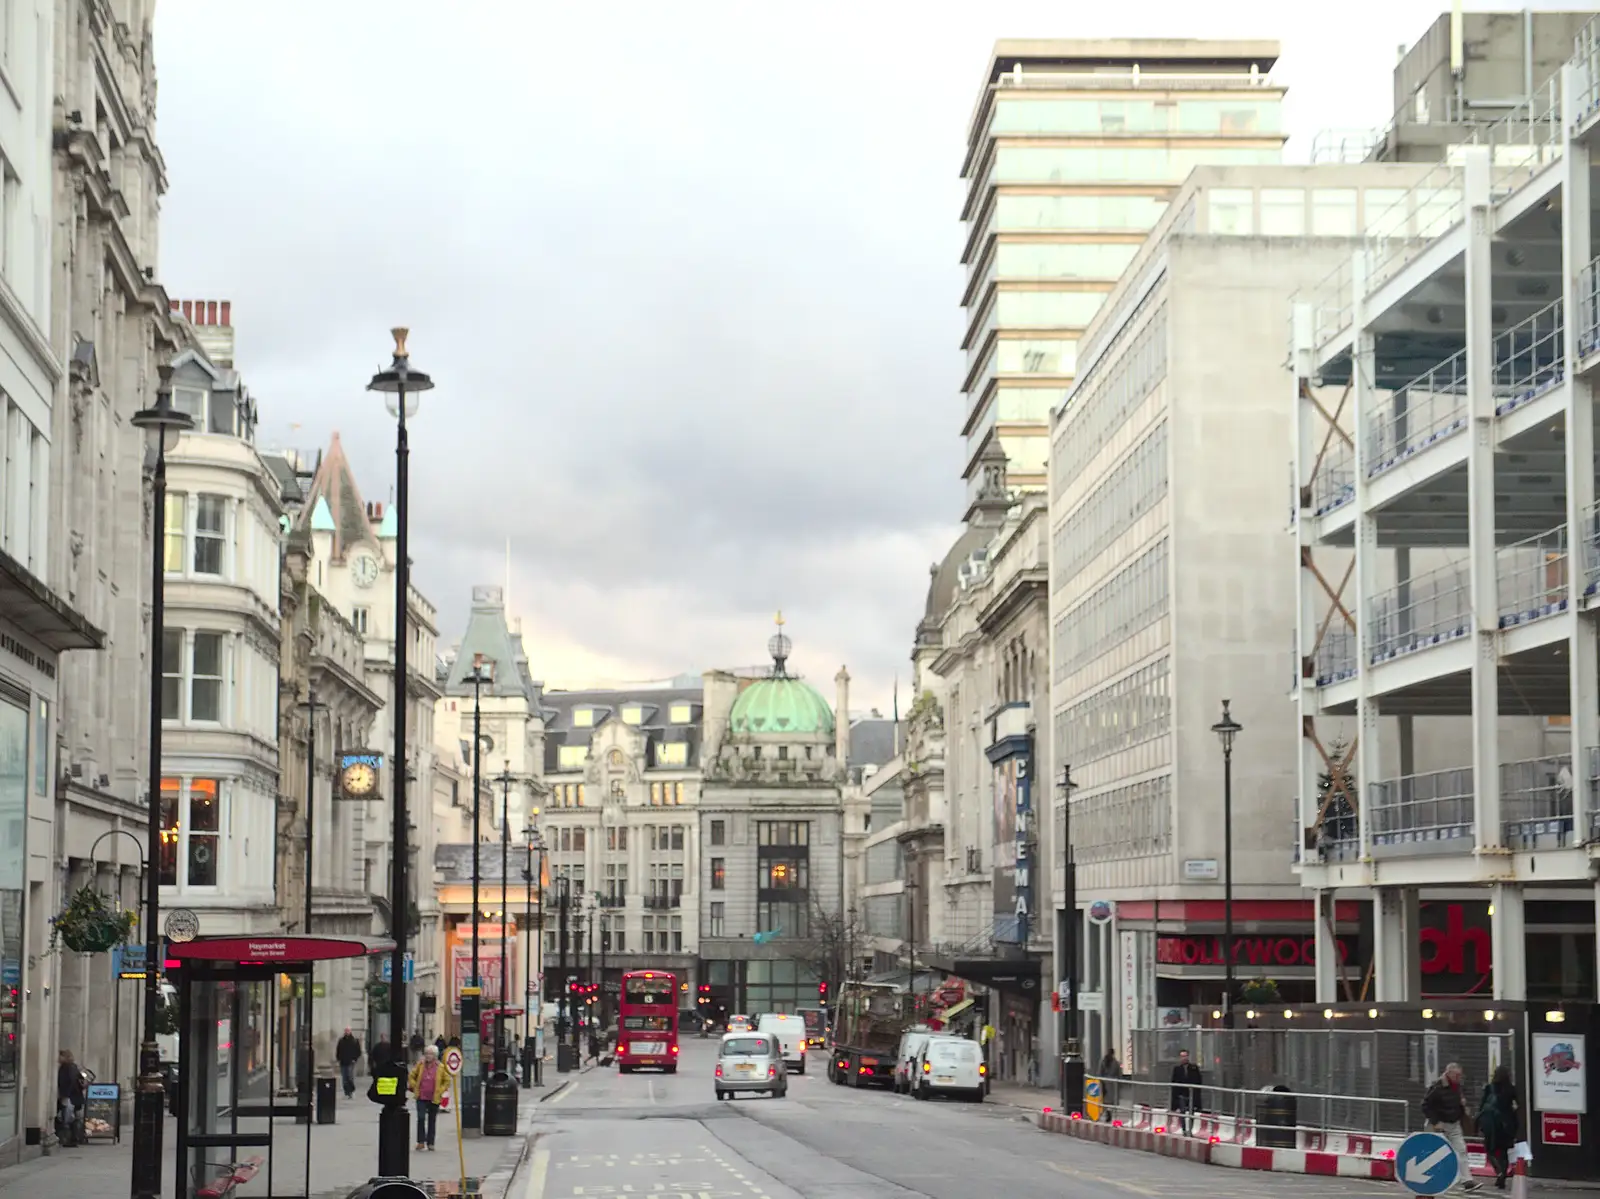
(364, 569)
(359, 779)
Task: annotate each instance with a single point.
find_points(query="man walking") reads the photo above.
(1444, 1109)
(1185, 1085)
(347, 1053)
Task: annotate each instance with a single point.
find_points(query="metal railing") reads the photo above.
(1530, 358)
(1594, 793)
(1536, 802)
(1532, 577)
(1422, 809)
(1240, 1110)
(1588, 291)
(1335, 484)
(1431, 208)
(1591, 551)
(1524, 140)
(1423, 412)
(1430, 610)
(1336, 658)
(1332, 303)
(1586, 65)
(1230, 81)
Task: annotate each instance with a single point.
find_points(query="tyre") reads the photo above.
(670, 1069)
(721, 1095)
(922, 1092)
(783, 1092)
(801, 1068)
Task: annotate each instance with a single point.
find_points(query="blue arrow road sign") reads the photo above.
(1426, 1164)
(411, 968)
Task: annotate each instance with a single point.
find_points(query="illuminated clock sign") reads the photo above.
(358, 774)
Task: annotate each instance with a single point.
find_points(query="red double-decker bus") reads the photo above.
(647, 1026)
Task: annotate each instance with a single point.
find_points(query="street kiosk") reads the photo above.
(231, 1115)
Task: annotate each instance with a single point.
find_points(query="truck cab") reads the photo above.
(868, 1023)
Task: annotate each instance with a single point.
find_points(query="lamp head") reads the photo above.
(163, 424)
(400, 380)
(1227, 728)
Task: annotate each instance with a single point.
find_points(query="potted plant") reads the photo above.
(91, 923)
(1259, 990)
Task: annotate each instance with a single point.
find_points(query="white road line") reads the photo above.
(652, 1085)
(1110, 1182)
(537, 1175)
(561, 1098)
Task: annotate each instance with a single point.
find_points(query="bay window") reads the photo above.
(210, 533)
(191, 831)
(194, 672)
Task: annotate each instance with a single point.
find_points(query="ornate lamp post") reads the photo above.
(401, 387)
(502, 1048)
(472, 1001)
(1226, 730)
(164, 425)
(1072, 1068)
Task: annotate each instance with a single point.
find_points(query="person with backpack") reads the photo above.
(1499, 1123)
(1444, 1110)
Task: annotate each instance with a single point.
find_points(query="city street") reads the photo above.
(605, 1132)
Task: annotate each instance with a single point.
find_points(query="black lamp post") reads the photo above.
(502, 1047)
(909, 886)
(164, 424)
(401, 387)
(1072, 1068)
(532, 876)
(472, 1002)
(1226, 730)
(564, 993)
(308, 1047)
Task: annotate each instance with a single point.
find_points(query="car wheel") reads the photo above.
(922, 1092)
(671, 1069)
(801, 1068)
(721, 1096)
(783, 1093)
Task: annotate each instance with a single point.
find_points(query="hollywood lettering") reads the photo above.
(1247, 951)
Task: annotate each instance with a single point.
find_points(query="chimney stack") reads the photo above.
(212, 321)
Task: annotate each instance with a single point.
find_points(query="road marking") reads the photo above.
(1110, 1182)
(560, 1096)
(537, 1175)
(651, 1083)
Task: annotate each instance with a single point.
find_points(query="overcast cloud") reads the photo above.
(685, 275)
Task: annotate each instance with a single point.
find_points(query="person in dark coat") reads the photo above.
(416, 1046)
(382, 1054)
(1500, 1123)
(70, 1093)
(1110, 1071)
(1185, 1087)
(347, 1053)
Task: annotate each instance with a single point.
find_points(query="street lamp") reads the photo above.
(163, 425)
(1072, 1071)
(472, 1002)
(311, 705)
(564, 994)
(401, 387)
(502, 1050)
(910, 888)
(1226, 730)
(532, 876)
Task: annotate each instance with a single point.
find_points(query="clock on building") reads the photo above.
(358, 776)
(364, 569)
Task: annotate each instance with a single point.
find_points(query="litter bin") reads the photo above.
(388, 1188)
(1277, 1113)
(327, 1098)
(566, 1057)
(500, 1105)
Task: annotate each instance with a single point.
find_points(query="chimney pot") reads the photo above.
(227, 312)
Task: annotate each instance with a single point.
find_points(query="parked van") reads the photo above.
(906, 1060)
(792, 1036)
(951, 1066)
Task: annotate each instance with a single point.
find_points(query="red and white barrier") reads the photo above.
(1120, 1136)
(1302, 1161)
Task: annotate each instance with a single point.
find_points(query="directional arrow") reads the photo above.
(1420, 1170)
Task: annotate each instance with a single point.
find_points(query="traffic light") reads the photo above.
(822, 991)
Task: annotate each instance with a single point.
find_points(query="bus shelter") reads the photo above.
(241, 1132)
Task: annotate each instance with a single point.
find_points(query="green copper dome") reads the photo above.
(782, 704)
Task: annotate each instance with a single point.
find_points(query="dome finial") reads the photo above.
(778, 646)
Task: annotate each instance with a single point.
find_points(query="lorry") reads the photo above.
(867, 1025)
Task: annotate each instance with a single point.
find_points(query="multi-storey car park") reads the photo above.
(1449, 564)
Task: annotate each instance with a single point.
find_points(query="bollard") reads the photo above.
(1519, 1178)
(327, 1099)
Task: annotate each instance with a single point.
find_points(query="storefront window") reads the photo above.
(13, 825)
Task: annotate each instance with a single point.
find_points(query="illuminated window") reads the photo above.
(583, 718)
(580, 795)
(633, 714)
(655, 795)
(674, 753)
(681, 713)
(677, 793)
(719, 874)
(572, 757)
(191, 829)
(614, 758)
(173, 553)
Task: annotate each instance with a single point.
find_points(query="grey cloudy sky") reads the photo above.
(686, 276)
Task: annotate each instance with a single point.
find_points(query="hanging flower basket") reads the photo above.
(91, 923)
(1259, 990)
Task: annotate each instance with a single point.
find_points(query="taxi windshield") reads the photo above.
(745, 1047)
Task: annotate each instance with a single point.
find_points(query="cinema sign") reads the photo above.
(1263, 952)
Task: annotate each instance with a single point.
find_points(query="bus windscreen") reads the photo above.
(650, 991)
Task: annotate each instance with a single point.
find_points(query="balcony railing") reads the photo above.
(1336, 658)
(1530, 358)
(1430, 209)
(1424, 809)
(1591, 551)
(1586, 65)
(1589, 309)
(1526, 139)
(1536, 802)
(1430, 610)
(1335, 484)
(1424, 412)
(663, 902)
(1532, 577)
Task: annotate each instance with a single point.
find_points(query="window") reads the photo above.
(618, 789)
(681, 713)
(633, 714)
(205, 677)
(577, 796)
(616, 893)
(172, 674)
(717, 924)
(783, 832)
(617, 837)
(1283, 211)
(1333, 212)
(572, 757)
(655, 795)
(360, 618)
(786, 919)
(672, 753)
(789, 874)
(210, 533)
(191, 829)
(619, 938)
(677, 934)
(719, 832)
(719, 874)
(583, 718)
(191, 400)
(677, 836)
(577, 839)
(614, 759)
(173, 525)
(677, 793)
(649, 930)
(1232, 211)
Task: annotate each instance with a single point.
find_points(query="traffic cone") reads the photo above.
(1519, 1178)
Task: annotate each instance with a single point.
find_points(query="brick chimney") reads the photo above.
(212, 321)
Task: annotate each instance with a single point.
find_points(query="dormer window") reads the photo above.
(681, 713)
(572, 757)
(192, 401)
(633, 714)
(583, 718)
(672, 753)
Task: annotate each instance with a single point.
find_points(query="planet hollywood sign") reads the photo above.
(1266, 951)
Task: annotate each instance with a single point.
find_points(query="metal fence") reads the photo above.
(1360, 1065)
(1240, 1109)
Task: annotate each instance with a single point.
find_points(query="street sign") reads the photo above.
(1426, 1164)
(452, 1060)
(411, 968)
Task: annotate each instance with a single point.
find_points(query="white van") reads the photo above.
(791, 1034)
(950, 1066)
(907, 1060)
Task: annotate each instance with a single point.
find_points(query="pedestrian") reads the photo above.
(1500, 1123)
(594, 1044)
(416, 1045)
(439, 1043)
(380, 1056)
(1110, 1071)
(347, 1053)
(427, 1083)
(69, 1100)
(1443, 1109)
(1185, 1090)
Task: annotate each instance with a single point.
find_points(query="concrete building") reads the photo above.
(352, 565)
(1073, 151)
(771, 897)
(1473, 439)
